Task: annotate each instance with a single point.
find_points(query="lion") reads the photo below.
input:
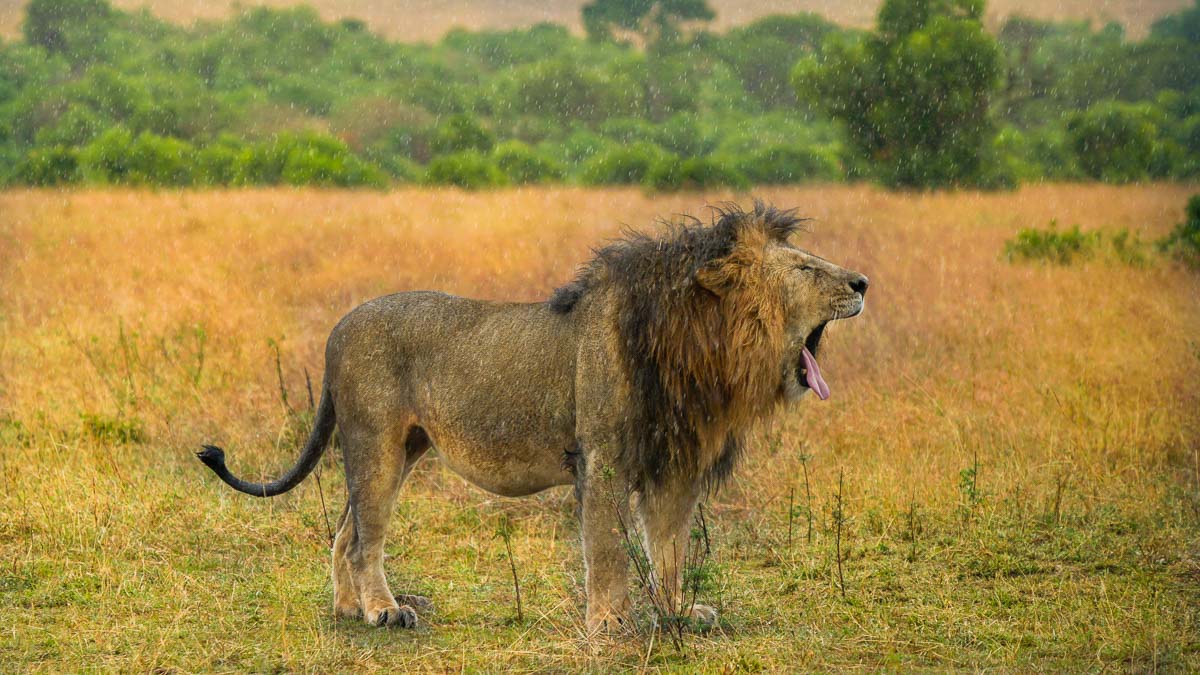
(645, 372)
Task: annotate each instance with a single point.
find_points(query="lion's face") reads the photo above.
(814, 292)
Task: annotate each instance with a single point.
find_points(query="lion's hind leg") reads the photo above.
(345, 595)
(376, 466)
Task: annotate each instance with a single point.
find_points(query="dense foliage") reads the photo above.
(94, 94)
(913, 95)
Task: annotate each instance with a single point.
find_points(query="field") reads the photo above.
(1019, 442)
(427, 20)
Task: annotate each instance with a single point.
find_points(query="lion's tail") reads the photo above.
(214, 457)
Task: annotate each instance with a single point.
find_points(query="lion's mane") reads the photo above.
(701, 336)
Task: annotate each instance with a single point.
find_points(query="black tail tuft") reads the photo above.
(213, 457)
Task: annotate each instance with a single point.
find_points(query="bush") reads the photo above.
(469, 169)
(789, 163)
(1113, 142)
(577, 148)
(1053, 246)
(459, 133)
(1183, 243)
(321, 160)
(117, 157)
(58, 165)
(622, 165)
(685, 135)
(305, 159)
(673, 173)
(217, 163)
(522, 164)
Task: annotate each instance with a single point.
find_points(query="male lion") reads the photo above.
(644, 372)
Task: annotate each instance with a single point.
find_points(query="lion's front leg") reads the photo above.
(666, 513)
(603, 505)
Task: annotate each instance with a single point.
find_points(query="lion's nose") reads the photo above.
(859, 285)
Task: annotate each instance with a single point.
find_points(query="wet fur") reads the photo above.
(635, 383)
(702, 364)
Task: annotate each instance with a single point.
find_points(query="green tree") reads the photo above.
(1183, 26)
(762, 54)
(462, 132)
(74, 28)
(650, 23)
(1114, 141)
(913, 95)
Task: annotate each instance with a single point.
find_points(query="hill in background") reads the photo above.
(415, 20)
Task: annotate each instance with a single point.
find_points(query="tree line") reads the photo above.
(90, 94)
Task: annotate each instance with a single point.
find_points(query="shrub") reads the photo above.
(1183, 243)
(789, 163)
(57, 165)
(522, 164)
(217, 163)
(305, 159)
(1052, 245)
(149, 159)
(459, 133)
(685, 135)
(577, 148)
(1128, 247)
(321, 160)
(107, 159)
(469, 169)
(565, 90)
(622, 165)
(673, 173)
(1113, 142)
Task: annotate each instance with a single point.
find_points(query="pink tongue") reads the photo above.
(813, 374)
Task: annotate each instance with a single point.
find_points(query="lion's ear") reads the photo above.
(715, 276)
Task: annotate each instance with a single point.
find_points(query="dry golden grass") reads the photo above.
(135, 325)
(428, 20)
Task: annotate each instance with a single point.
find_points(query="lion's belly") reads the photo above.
(507, 471)
(497, 399)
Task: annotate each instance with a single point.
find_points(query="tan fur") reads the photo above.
(518, 398)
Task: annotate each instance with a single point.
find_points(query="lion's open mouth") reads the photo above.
(808, 373)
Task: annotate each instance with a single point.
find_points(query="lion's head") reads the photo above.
(716, 323)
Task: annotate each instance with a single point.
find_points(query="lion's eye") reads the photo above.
(805, 268)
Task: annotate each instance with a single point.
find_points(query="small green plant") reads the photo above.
(838, 516)
(1129, 248)
(1052, 245)
(968, 487)
(504, 530)
(796, 511)
(913, 529)
(1183, 243)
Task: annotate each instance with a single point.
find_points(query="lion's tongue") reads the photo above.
(813, 374)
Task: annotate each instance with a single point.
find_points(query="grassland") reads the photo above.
(1020, 443)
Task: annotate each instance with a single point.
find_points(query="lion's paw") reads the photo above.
(396, 615)
(704, 618)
